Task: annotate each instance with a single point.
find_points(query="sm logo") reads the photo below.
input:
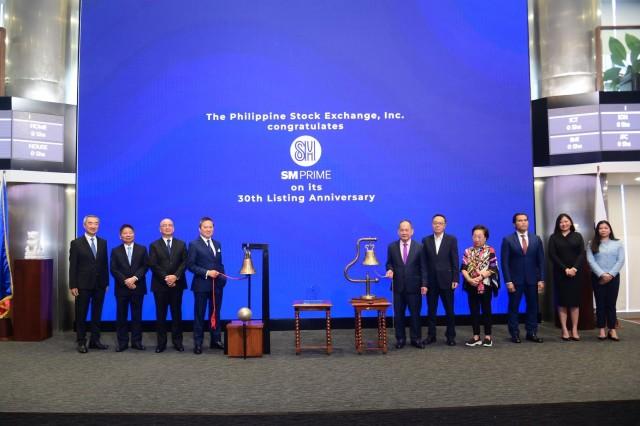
(305, 151)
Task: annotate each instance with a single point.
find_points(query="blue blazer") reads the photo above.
(519, 268)
(200, 259)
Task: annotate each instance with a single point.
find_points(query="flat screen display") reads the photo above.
(304, 125)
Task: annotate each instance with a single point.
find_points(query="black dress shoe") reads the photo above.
(82, 348)
(534, 338)
(197, 349)
(121, 348)
(160, 349)
(451, 342)
(178, 347)
(216, 345)
(138, 346)
(400, 344)
(97, 345)
(516, 339)
(429, 340)
(417, 344)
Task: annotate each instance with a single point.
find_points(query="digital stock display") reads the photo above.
(591, 128)
(31, 136)
(304, 125)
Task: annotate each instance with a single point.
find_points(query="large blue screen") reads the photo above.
(398, 109)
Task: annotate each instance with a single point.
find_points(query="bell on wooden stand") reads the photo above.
(369, 260)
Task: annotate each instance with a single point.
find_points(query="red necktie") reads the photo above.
(524, 244)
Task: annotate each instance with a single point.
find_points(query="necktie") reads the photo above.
(405, 253)
(93, 247)
(129, 254)
(211, 247)
(524, 244)
(169, 247)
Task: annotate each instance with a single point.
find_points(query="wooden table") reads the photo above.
(379, 304)
(313, 305)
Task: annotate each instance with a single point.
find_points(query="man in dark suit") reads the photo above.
(440, 276)
(204, 259)
(522, 260)
(88, 281)
(404, 267)
(168, 260)
(129, 268)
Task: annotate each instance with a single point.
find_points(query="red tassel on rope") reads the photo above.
(214, 322)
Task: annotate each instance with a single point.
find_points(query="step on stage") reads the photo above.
(586, 382)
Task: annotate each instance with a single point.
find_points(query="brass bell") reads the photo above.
(370, 256)
(247, 264)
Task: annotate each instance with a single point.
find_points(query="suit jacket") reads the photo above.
(440, 269)
(85, 271)
(200, 259)
(120, 269)
(163, 264)
(406, 278)
(520, 268)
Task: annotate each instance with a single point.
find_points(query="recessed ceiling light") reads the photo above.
(637, 179)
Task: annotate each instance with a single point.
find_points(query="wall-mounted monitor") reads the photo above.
(36, 135)
(592, 127)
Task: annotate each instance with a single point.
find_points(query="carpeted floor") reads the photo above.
(50, 376)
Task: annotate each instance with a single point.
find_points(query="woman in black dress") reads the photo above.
(566, 251)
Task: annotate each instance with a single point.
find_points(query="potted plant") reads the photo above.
(624, 75)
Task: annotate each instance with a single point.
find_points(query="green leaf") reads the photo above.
(618, 52)
(633, 42)
(611, 74)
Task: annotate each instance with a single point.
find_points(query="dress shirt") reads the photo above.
(438, 241)
(526, 237)
(210, 245)
(408, 243)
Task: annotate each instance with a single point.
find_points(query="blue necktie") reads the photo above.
(93, 247)
(129, 254)
(169, 247)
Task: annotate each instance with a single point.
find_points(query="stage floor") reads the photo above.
(51, 377)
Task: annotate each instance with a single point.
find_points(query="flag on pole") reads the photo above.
(600, 211)
(6, 284)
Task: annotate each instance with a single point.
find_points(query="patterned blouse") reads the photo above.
(478, 259)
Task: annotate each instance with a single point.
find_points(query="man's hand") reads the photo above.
(170, 280)
(131, 283)
(74, 292)
(389, 274)
(454, 285)
(213, 274)
(423, 290)
(540, 286)
(511, 288)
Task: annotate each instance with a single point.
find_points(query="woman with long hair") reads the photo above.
(606, 257)
(566, 251)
